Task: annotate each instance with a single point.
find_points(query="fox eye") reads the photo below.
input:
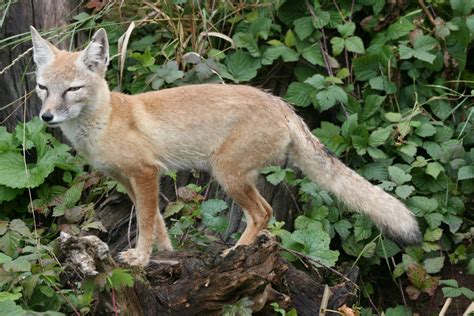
(74, 88)
(42, 87)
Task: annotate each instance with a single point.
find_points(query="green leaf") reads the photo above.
(434, 169)
(242, 66)
(433, 234)
(329, 135)
(354, 44)
(120, 278)
(313, 55)
(467, 293)
(433, 265)
(342, 228)
(379, 136)
(299, 94)
(425, 130)
(451, 292)
(316, 245)
(398, 175)
(247, 41)
(173, 208)
(275, 174)
(362, 228)
(274, 52)
(346, 29)
(449, 282)
(400, 310)
(400, 28)
(8, 194)
(210, 210)
(461, 7)
(366, 67)
(466, 172)
(4, 258)
(424, 56)
(387, 248)
(260, 27)
(7, 296)
(404, 191)
(372, 105)
(20, 227)
(337, 45)
(393, 117)
(434, 219)
(18, 265)
(405, 52)
(290, 39)
(303, 27)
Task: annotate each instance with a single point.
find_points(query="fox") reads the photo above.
(231, 131)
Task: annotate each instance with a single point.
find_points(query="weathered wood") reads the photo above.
(202, 283)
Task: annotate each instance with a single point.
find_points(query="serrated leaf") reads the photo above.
(399, 29)
(337, 45)
(387, 248)
(329, 135)
(398, 175)
(7, 296)
(299, 94)
(246, 40)
(304, 27)
(433, 265)
(466, 172)
(173, 208)
(372, 105)
(210, 211)
(18, 265)
(354, 44)
(366, 67)
(120, 278)
(379, 136)
(451, 292)
(346, 29)
(376, 153)
(316, 245)
(20, 227)
(404, 191)
(434, 169)
(4, 258)
(434, 219)
(461, 7)
(425, 130)
(342, 228)
(393, 117)
(449, 282)
(242, 66)
(362, 228)
(433, 234)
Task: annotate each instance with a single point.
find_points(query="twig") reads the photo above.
(324, 300)
(130, 226)
(14, 61)
(427, 12)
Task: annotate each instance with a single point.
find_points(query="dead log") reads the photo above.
(202, 283)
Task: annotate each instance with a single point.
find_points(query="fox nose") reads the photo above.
(47, 116)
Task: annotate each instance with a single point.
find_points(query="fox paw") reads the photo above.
(224, 253)
(134, 257)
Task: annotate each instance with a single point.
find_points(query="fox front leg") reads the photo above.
(145, 189)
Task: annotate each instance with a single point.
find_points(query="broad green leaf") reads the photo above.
(372, 105)
(273, 52)
(247, 41)
(424, 56)
(342, 228)
(18, 265)
(451, 292)
(346, 29)
(387, 248)
(449, 282)
(316, 245)
(400, 310)
(433, 234)
(399, 29)
(7, 296)
(454, 222)
(260, 27)
(330, 135)
(434, 265)
(313, 55)
(354, 44)
(242, 66)
(8, 194)
(376, 153)
(434, 169)
(4, 258)
(366, 67)
(20, 227)
(425, 130)
(466, 172)
(404, 191)
(398, 175)
(299, 94)
(210, 211)
(290, 39)
(393, 117)
(461, 7)
(120, 278)
(434, 219)
(317, 81)
(303, 27)
(405, 52)
(337, 45)
(362, 228)
(379, 136)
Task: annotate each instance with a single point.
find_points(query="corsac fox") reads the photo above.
(231, 131)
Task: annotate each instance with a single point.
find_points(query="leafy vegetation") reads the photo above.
(389, 85)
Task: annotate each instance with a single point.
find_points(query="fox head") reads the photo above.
(70, 83)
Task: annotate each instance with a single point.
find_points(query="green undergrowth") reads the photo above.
(388, 89)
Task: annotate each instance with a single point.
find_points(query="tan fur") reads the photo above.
(230, 131)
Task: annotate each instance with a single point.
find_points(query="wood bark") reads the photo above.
(202, 283)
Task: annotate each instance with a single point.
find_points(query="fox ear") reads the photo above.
(43, 51)
(96, 54)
